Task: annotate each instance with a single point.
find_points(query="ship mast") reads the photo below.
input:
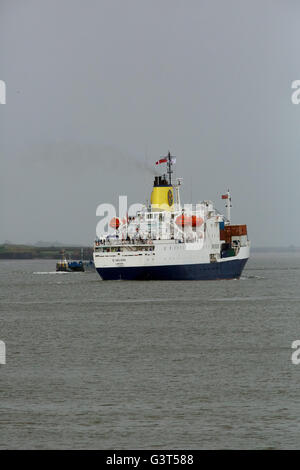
(228, 206)
(169, 167)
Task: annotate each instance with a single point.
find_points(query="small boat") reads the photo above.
(63, 264)
(76, 266)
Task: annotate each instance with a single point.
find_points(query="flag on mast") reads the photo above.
(162, 160)
(224, 196)
(165, 160)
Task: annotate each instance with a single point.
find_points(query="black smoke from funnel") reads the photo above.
(84, 156)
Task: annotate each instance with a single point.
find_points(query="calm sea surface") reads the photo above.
(130, 365)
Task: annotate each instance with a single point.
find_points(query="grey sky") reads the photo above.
(96, 88)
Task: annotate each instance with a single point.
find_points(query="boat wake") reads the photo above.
(50, 272)
(246, 278)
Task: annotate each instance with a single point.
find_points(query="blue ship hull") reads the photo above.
(193, 272)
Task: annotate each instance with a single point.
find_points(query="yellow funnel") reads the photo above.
(162, 198)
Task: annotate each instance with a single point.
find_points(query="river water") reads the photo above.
(153, 365)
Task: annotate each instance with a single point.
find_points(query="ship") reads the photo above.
(166, 240)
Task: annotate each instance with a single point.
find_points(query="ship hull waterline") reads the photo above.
(184, 272)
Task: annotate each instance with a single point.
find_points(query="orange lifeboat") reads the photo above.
(115, 223)
(196, 221)
(184, 221)
(189, 221)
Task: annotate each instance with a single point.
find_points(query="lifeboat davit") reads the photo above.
(189, 221)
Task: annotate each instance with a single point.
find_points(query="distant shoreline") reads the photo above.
(13, 251)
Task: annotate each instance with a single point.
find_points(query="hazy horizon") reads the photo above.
(97, 91)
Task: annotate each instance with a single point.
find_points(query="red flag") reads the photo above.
(162, 160)
(224, 196)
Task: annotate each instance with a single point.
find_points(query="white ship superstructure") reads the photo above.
(168, 241)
